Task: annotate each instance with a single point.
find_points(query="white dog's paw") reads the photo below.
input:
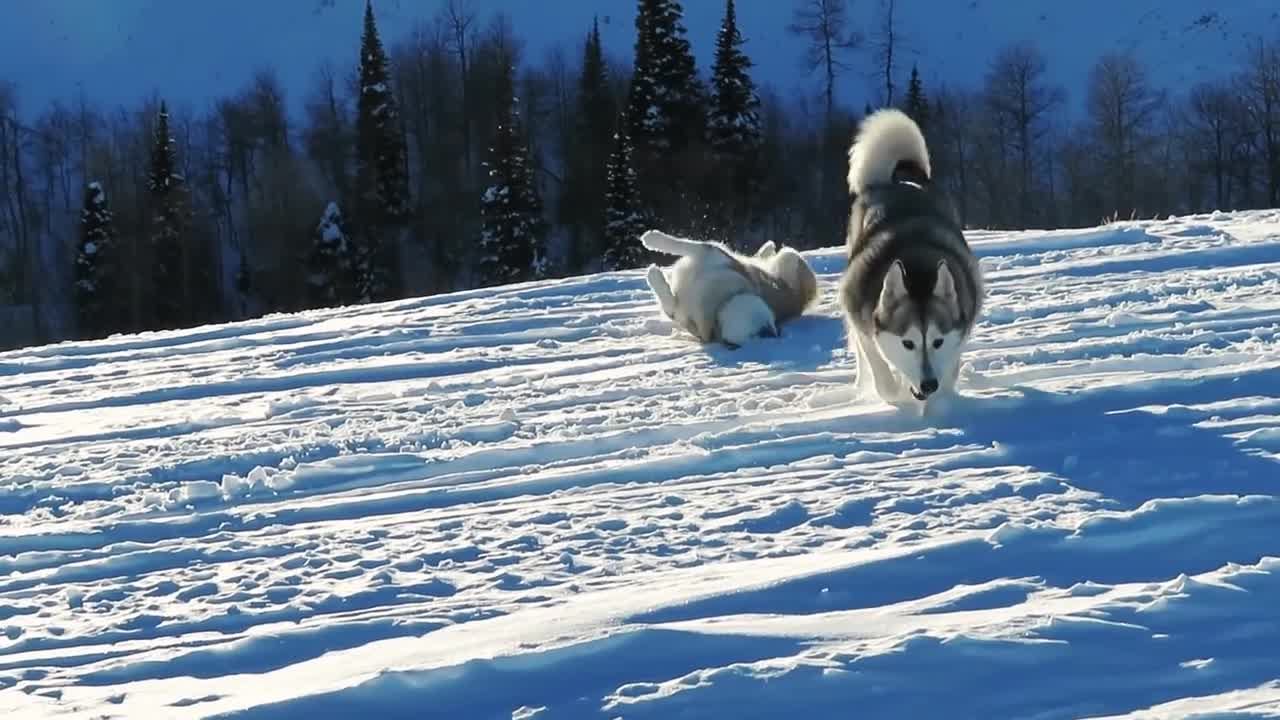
(661, 242)
(661, 290)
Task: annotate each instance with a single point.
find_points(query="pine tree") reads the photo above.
(624, 213)
(96, 268)
(382, 180)
(331, 276)
(513, 231)
(733, 133)
(665, 105)
(587, 153)
(916, 105)
(594, 98)
(170, 275)
(733, 124)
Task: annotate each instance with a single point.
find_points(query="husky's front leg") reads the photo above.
(873, 371)
(928, 406)
(950, 377)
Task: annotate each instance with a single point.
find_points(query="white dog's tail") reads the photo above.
(886, 140)
(671, 245)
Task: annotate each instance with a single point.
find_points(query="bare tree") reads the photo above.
(460, 17)
(327, 133)
(558, 73)
(1020, 102)
(17, 219)
(885, 46)
(1214, 119)
(1082, 194)
(265, 99)
(1260, 85)
(825, 23)
(951, 146)
(87, 124)
(1122, 106)
(438, 123)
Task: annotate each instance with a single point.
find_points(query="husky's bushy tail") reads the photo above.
(888, 141)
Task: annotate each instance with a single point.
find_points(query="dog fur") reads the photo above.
(913, 288)
(718, 295)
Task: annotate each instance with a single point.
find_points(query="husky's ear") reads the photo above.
(895, 283)
(944, 287)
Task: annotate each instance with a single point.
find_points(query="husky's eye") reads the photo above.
(937, 343)
(909, 344)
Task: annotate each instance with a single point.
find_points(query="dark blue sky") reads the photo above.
(192, 51)
(195, 51)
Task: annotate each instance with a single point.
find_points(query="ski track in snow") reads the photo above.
(541, 501)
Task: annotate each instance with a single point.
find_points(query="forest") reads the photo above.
(450, 160)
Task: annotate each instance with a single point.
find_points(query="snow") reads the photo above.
(543, 501)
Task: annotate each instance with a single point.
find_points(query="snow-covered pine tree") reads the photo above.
(733, 133)
(625, 219)
(665, 103)
(331, 264)
(382, 178)
(98, 302)
(513, 230)
(168, 301)
(916, 105)
(586, 154)
(733, 123)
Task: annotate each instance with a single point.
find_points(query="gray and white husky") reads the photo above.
(913, 288)
(718, 295)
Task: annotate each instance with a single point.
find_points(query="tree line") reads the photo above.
(448, 160)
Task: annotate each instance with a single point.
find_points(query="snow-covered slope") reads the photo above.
(541, 501)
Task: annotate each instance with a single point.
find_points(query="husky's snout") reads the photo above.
(928, 382)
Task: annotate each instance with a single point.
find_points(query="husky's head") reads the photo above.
(919, 334)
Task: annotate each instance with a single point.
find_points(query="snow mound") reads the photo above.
(543, 501)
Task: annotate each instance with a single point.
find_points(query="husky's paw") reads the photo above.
(939, 404)
(661, 290)
(655, 239)
(655, 277)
